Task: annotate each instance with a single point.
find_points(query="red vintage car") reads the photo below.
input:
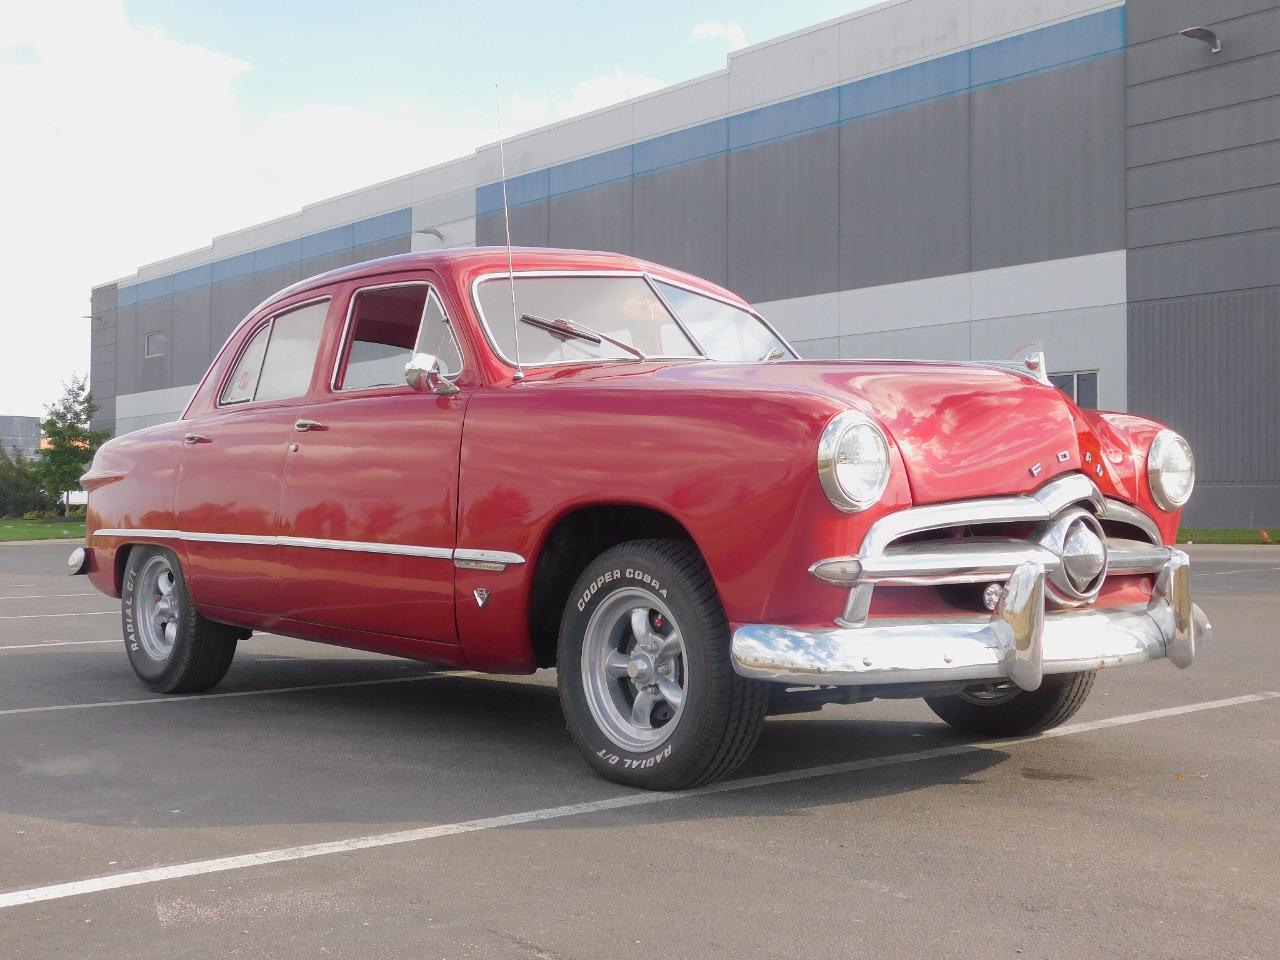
(586, 461)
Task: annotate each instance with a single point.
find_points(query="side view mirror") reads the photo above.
(425, 374)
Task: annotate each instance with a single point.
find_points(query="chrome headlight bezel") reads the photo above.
(1160, 446)
(830, 445)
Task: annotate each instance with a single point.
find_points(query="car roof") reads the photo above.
(477, 260)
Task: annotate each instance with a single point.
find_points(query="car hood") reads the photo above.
(964, 430)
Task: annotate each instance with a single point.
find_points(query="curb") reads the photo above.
(1231, 551)
(24, 543)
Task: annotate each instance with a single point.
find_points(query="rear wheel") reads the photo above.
(172, 648)
(646, 684)
(1004, 710)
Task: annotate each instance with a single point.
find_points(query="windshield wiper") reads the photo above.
(571, 329)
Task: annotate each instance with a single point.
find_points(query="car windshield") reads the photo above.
(624, 308)
(723, 331)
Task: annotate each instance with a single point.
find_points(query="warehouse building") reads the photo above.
(20, 435)
(939, 179)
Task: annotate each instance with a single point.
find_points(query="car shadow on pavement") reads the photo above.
(446, 748)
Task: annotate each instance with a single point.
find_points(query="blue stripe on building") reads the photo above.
(1000, 61)
(352, 236)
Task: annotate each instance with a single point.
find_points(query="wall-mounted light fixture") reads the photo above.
(1205, 34)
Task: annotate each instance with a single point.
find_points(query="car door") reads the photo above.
(232, 469)
(370, 484)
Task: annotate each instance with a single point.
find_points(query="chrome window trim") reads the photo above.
(346, 329)
(464, 557)
(525, 274)
(748, 310)
(271, 321)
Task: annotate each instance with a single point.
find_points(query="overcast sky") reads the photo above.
(134, 131)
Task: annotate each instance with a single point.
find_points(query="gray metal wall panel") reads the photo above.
(783, 221)
(191, 344)
(1048, 166)
(1252, 506)
(103, 298)
(268, 282)
(1236, 262)
(1205, 217)
(1205, 89)
(530, 227)
(1223, 128)
(1206, 366)
(1148, 20)
(680, 218)
(904, 195)
(127, 350)
(1203, 176)
(154, 316)
(230, 301)
(1242, 38)
(596, 219)
(105, 418)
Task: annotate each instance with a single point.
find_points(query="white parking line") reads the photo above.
(58, 707)
(50, 596)
(136, 878)
(48, 616)
(1227, 573)
(56, 643)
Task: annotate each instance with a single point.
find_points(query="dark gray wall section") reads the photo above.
(680, 218)
(195, 322)
(784, 223)
(1029, 170)
(1203, 148)
(1048, 166)
(1206, 366)
(20, 435)
(904, 195)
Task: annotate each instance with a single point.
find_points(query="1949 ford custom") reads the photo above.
(586, 461)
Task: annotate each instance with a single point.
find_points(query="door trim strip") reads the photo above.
(464, 558)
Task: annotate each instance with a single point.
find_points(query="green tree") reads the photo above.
(71, 443)
(20, 488)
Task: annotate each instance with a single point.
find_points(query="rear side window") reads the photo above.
(280, 358)
(389, 325)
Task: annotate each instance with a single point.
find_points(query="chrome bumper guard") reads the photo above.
(1020, 641)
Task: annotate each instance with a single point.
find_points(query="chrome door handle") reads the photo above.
(195, 438)
(302, 426)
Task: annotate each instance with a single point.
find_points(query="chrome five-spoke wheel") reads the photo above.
(159, 607)
(634, 667)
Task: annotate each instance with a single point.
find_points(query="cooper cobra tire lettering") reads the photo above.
(722, 712)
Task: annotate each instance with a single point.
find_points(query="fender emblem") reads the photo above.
(481, 595)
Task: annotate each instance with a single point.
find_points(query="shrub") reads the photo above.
(34, 515)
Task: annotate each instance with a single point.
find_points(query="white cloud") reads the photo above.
(123, 145)
(730, 33)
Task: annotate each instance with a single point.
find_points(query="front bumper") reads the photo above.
(1020, 641)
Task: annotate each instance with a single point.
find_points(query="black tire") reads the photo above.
(722, 712)
(1055, 702)
(201, 650)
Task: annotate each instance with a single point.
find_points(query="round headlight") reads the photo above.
(853, 461)
(1171, 469)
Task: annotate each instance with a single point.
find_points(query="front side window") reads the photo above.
(724, 332)
(390, 324)
(278, 362)
(623, 308)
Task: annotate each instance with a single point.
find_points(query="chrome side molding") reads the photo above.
(463, 558)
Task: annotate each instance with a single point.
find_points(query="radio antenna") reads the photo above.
(506, 219)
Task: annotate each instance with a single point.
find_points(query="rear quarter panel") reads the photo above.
(132, 484)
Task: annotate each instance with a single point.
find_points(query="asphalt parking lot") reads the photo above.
(329, 803)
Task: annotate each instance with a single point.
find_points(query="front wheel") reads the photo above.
(1003, 710)
(648, 690)
(172, 648)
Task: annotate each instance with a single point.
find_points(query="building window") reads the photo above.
(1080, 385)
(155, 344)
